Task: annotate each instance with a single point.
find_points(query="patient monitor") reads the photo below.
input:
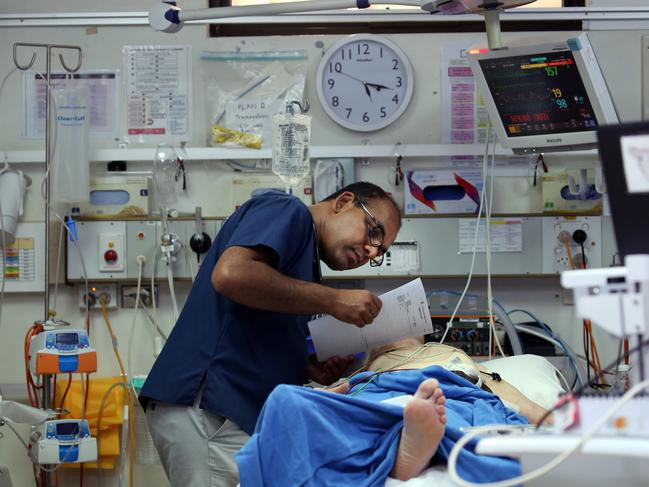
(544, 98)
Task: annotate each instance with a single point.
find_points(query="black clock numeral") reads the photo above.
(349, 53)
(365, 50)
(395, 64)
(331, 83)
(349, 111)
(395, 99)
(366, 117)
(381, 52)
(383, 112)
(334, 101)
(398, 81)
(335, 67)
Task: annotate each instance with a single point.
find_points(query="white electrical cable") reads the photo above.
(172, 291)
(188, 258)
(475, 235)
(58, 268)
(153, 275)
(129, 358)
(492, 324)
(2, 284)
(542, 470)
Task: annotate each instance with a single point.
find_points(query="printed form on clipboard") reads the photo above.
(404, 314)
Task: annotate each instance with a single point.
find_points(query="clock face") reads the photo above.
(364, 82)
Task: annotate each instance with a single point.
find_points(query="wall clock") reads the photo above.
(364, 82)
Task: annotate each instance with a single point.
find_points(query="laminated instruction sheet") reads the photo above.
(404, 314)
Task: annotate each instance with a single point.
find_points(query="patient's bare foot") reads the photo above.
(423, 428)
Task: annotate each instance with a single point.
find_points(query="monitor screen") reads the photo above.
(544, 97)
(67, 428)
(67, 339)
(539, 94)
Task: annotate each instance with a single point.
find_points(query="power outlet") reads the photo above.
(105, 291)
(129, 292)
(558, 230)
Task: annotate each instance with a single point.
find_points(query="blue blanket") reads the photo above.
(309, 437)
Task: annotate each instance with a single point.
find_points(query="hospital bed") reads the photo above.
(533, 375)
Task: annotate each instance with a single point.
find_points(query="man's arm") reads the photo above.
(246, 275)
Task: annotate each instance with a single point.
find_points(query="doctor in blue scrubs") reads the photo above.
(242, 330)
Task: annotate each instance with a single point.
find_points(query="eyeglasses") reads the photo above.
(376, 235)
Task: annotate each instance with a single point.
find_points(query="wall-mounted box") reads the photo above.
(117, 196)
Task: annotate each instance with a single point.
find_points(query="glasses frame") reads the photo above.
(378, 260)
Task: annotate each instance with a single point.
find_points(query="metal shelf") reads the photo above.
(321, 151)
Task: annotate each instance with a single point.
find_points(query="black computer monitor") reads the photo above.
(624, 152)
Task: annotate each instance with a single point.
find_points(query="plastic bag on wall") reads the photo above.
(244, 90)
(70, 161)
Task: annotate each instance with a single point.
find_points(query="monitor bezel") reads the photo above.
(594, 84)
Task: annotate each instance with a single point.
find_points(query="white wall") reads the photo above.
(619, 53)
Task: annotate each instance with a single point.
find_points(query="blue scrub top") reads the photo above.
(240, 353)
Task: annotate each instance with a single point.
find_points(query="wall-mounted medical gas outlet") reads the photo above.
(105, 291)
(578, 232)
(110, 249)
(130, 292)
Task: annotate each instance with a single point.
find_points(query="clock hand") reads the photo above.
(378, 87)
(367, 90)
(352, 77)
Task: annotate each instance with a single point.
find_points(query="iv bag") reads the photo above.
(164, 172)
(291, 137)
(70, 166)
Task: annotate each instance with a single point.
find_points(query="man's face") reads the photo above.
(347, 243)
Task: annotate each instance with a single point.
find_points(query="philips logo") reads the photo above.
(558, 139)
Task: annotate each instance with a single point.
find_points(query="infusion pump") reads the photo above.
(62, 441)
(60, 352)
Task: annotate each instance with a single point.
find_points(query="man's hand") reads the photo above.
(356, 306)
(328, 372)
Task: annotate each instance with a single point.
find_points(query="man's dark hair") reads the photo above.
(364, 192)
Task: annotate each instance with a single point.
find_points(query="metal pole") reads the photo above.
(45, 477)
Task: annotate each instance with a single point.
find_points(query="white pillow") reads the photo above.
(533, 375)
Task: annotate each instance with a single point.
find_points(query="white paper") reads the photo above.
(404, 314)
(158, 93)
(635, 158)
(506, 235)
(102, 95)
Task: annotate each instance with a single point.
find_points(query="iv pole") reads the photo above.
(46, 394)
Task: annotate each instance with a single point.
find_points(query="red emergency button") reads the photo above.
(110, 256)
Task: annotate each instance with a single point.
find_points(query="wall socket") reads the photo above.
(97, 291)
(129, 292)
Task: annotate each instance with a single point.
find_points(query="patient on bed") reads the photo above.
(424, 415)
(305, 436)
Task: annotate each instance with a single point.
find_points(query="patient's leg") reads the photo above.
(424, 419)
